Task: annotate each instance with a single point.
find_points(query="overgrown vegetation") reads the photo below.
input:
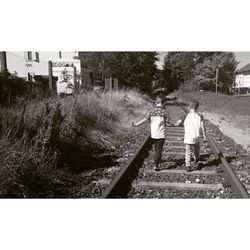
(44, 144)
(13, 88)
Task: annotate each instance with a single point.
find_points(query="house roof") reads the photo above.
(244, 69)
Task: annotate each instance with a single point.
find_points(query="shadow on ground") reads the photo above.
(204, 162)
(77, 158)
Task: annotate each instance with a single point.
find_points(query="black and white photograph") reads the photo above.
(124, 124)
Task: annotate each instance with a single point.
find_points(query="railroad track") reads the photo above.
(214, 177)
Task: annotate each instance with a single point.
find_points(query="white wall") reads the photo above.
(41, 67)
(242, 81)
(16, 63)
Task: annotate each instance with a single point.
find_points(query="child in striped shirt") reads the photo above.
(158, 118)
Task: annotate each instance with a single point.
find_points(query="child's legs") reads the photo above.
(158, 150)
(196, 151)
(188, 155)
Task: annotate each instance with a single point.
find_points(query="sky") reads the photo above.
(242, 57)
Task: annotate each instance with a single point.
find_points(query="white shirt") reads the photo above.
(192, 125)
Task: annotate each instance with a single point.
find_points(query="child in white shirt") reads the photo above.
(193, 125)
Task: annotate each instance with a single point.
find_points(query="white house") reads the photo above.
(242, 80)
(28, 64)
(14, 62)
(22, 63)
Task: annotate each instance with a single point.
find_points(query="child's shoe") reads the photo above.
(188, 168)
(156, 168)
(196, 165)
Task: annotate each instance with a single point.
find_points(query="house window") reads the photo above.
(32, 56)
(37, 56)
(29, 55)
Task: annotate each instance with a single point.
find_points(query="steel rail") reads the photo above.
(120, 184)
(231, 177)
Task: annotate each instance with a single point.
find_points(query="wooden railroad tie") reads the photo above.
(178, 171)
(170, 146)
(177, 185)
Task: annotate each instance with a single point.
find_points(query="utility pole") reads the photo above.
(50, 76)
(216, 79)
(3, 61)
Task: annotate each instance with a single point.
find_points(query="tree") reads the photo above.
(178, 68)
(198, 70)
(133, 69)
(205, 71)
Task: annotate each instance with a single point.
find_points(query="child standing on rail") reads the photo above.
(193, 125)
(158, 118)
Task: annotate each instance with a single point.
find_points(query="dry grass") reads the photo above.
(26, 171)
(38, 138)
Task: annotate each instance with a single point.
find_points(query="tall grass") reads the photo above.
(37, 139)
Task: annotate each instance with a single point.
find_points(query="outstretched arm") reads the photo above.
(136, 124)
(144, 120)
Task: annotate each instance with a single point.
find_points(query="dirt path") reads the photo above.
(238, 130)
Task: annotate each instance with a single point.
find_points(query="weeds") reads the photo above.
(42, 142)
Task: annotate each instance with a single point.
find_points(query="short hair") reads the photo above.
(193, 104)
(160, 98)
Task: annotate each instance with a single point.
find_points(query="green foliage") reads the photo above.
(199, 69)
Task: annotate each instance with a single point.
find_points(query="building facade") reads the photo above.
(25, 63)
(242, 80)
(29, 64)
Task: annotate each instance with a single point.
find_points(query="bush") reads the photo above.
(12, 88)
(26, 170)
(189, 86)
